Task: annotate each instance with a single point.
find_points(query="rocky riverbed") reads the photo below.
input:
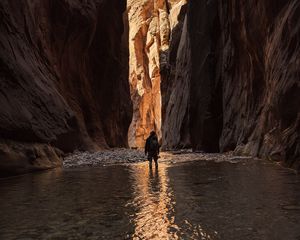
(122, 155)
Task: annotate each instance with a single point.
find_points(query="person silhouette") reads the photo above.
(152, 149)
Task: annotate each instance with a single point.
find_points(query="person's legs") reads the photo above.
(155, 160)
(150, 160)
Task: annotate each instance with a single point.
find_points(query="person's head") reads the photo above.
(152, 133)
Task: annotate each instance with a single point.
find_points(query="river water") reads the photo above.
(185, 200)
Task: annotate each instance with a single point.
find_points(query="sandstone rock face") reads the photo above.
(175, 87)
(20, 157)
(206, 85)
(243, 80)
(176, 95)
(61, 77)
(150, 23)
(260, 72)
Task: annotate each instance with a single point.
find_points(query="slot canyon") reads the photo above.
(214, 79)
(222, 80)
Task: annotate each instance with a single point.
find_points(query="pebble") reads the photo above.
(119, 155)
(124, 155)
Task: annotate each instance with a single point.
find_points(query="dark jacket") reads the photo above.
(149, 149)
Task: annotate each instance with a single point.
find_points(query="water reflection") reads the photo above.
(155, 206)
(154, 182)
(152, 202)
(196, 200)
(74, 204)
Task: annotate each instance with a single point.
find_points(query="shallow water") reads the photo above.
(190, 200)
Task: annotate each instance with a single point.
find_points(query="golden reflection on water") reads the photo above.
(154, 203)
(154, 217)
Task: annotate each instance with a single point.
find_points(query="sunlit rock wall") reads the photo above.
(150, 23)
(61, 80)
(243, 88)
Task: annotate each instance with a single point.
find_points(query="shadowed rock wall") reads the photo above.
(193, 114)
(175, 71)
(61, 79)
(243, 83)
(260, 72)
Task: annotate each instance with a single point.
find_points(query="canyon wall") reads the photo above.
(260, 72)
(63, 80)
(175, 85)
(150, 24)
(240, 62)
(192, 110)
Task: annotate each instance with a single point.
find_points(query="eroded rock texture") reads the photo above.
(150, 23)
(243, 79)
(261, 78)
(175, 86)
(61, 78)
